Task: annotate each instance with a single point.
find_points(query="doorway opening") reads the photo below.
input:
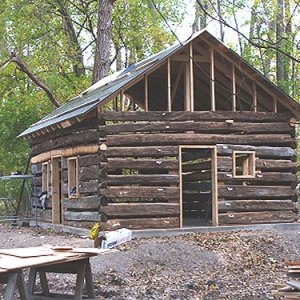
(198, 185)
(57, 190)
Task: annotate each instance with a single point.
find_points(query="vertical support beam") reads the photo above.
(233, 89)
(254, 96)
(169, 85)
(214, 192)
(191, 77)
(187, 90)
(146, 93)
(212, 80)
(275, 105)
(122, 99)
(180, 189)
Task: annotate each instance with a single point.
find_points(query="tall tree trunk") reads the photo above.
(104, 32)
(220, 14)
(288, 33)
(279, 42)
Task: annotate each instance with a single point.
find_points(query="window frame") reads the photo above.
(73, 162)
(252, 164)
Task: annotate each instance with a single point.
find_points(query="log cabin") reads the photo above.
(191, 136)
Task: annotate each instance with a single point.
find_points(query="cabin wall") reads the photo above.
(80, 211)
(139, 172)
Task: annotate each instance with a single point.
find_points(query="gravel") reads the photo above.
(220, 265)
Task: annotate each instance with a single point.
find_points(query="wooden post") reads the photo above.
(214, 174)
(169, 84)
(212, 80)
(254, 96)
(146, 93)
(275, 105)
(187, 91)
(191, 77)
(122, 100)
(233, 89)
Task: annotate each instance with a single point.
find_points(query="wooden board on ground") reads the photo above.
(27, 252)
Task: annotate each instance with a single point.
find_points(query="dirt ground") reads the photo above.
(221, 265)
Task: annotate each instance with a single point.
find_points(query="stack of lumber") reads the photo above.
(292, 288)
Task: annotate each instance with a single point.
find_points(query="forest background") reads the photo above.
(51, 50)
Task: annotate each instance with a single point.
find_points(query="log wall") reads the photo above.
(140, 166)
(84, 210)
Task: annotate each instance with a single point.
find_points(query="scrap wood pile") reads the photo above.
(292, 288)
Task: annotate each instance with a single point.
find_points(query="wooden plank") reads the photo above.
(197, 116)
(83, 216)
(255, 205)
(187, 88)
(152, 151)
(82, 204)
(212, 80)
(233, 88)
(197, 139)
(142, 223)
(56, 189)
(204, 127)
(153, 179)
(114, 163)
(255, 192)
(254, 92)
(142, 192)
(169, 88)
(74, 151)
(262, 217)
(121, 210)
(191, 76)
(260, 151)
(146, 93)
(214, 189)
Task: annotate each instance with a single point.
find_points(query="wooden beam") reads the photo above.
(187, 91)
(185, 58)
(146, 93)
(80, 150)
(169, 84)
(212, 80)
(275, 109)
(233, 89)
(254, 96)
(214, 173)
(122, 99)
(191, 77)
(177, 81)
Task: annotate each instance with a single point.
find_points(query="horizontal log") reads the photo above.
(114, 163)
(260, 151)
(142, 223)
(82, 204)
(82, 126)
(197, 139)
(86, 187)
(200, 127)
(88, 160)
(153, 179)
(263, 177)
(267, 165)
(255, 205)
(82, 216)
(255, 192)
(151, 151)
(141, 192)
(204, 165)
(88, 173)
(263, 217)
(89, 136)
(196, 116)
(125, 210)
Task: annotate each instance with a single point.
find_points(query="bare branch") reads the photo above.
(24, 68)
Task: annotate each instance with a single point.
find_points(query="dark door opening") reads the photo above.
(198, 196)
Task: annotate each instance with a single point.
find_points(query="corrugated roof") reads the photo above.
(107, 87)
